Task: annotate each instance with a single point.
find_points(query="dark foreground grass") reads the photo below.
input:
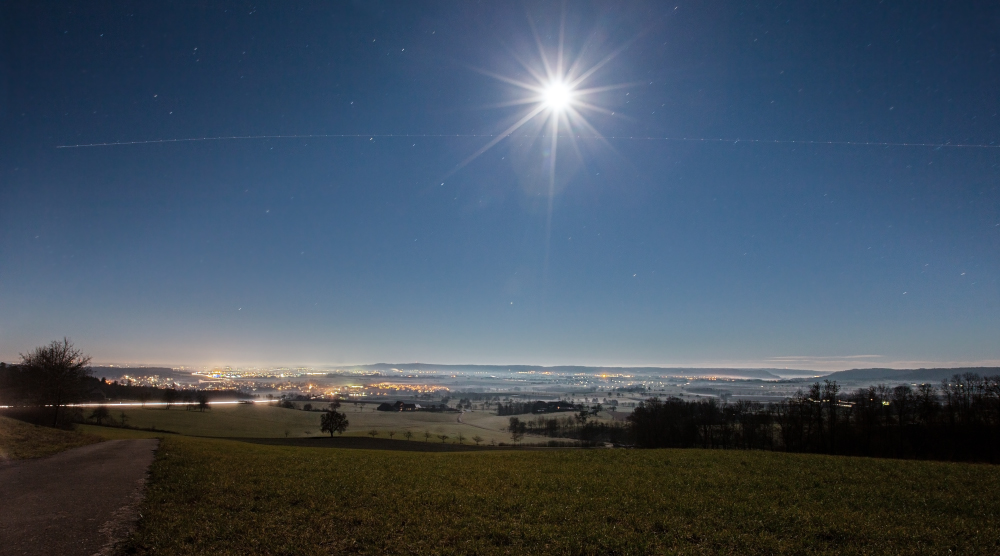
(20, 440)
(225, 497)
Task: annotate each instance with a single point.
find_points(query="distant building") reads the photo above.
(97, 395)
(399, 406)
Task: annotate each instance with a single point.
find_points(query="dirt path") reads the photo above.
(80, 501)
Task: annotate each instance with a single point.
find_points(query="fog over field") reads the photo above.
(526, 382)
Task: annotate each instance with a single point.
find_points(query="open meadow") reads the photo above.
(212, 496)
(271, 421)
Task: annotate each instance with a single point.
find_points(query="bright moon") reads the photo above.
(557, 96)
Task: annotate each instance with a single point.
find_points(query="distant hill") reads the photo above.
(504, 370)
(908, 375)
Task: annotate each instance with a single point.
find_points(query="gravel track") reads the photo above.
(78, 502)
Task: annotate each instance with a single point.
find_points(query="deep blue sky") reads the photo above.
(351, 250)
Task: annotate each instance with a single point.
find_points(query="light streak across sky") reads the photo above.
(542, 136)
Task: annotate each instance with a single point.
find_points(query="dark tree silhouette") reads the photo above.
(202, 401)
(333, 421)
(517, 429)
(56, 375)
(960, 420)
(170, 396)
(99, 414)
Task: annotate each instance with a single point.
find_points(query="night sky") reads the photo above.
(634, 250)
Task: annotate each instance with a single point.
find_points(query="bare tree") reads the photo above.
(901, 403)
(927, 402)
(477, 439)
(391, 434)
(461, 438)
(169, 397)
(56, 374)
(99, 414)
(517, 429)
(408, 435)
(443, 437)
(373, 433)
(831, 391)
(427, 436)
(202, 401)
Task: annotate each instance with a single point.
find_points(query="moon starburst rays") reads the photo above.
(553, 92)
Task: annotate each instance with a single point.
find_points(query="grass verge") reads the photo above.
(20, 440)
(223, 497)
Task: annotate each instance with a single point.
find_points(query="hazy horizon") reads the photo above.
(821, 367)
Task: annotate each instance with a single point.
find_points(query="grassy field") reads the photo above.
(269, 421)
(237, 420)
(20, 440)
(210, 496)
